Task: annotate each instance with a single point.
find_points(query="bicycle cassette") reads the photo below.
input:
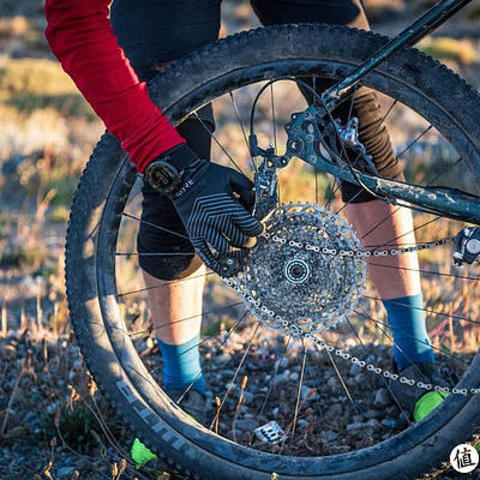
(292, 279)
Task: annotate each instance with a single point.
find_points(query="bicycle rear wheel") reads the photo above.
(97, 230)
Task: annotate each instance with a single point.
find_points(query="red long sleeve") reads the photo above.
(81, 36)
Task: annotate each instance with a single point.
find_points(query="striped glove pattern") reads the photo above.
(214, 204)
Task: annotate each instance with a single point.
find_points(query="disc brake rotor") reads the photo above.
(292, 280)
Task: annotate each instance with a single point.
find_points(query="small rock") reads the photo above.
(233, 341)
(30, 417)
(355, 370)
(355, 426)
(248, 397)
(389, 423)
(223, 358)
(52, 407)
(371, 358)
(382, 398)
(302, 424)
(65, 472)
(7, 351)
(332, 382)
(392, 411)
(359, 378)
(281, 363)
(246, 425)
(283, 377)
(357, 418)
(373, 413)
(334, 411)
(329, 436)
(308, 393)
(275, 412)
(294, 376)
(373, 422)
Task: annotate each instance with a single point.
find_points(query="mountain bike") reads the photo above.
(291, 380)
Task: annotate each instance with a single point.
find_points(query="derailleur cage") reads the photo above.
(265, 177)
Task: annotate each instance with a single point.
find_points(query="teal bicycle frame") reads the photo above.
(439, 200)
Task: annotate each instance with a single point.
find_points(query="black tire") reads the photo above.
(411, 76)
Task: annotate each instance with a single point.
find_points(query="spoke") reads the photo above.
(163, 229)
(412, 245)
(271, 386)
(222, 343)
(299, 392)
(389, 110)
(272, 383)
(215, 139)
(348, 203)
(417, 139)
(274, 116)
(427, 272)
(413, 230)
(379, 323)
(340, 379)
(437, 177)
(382, 330)
(163, 285)
(427, 310)
(215, 337)
(146, 254)
(186, 319)
(314, 382)
(384, 380)
(244, 132)
(335, 188)
(234, 378)
(352, 103)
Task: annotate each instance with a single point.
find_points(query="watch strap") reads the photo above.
(179, 157)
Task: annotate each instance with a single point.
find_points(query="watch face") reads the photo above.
(162, 177)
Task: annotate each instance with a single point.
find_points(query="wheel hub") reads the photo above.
(292, 281)
(297, 271)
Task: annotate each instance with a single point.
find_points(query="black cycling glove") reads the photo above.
(212, 214)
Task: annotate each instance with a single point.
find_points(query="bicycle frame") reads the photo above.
(440, 200)
(429, 21)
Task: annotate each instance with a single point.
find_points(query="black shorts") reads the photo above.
(156, 32)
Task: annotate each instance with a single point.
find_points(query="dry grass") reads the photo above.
(51, 413)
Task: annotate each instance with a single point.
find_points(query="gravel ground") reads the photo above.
(54, 413)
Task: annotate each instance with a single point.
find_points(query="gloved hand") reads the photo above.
(211, 213)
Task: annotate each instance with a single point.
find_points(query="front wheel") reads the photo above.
(320, 401)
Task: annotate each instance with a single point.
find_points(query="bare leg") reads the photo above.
(390, 283)
(176, 308)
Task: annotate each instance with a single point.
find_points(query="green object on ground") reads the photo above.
(140, 453)
(427, 404)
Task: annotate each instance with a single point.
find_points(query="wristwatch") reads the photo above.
(162, 177)
(165, 173)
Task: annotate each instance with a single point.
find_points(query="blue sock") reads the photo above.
(407, 322)
(181, 365)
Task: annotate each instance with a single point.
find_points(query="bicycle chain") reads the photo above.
(366, 253)
(291, 329)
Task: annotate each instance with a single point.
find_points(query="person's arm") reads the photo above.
(81, 36)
